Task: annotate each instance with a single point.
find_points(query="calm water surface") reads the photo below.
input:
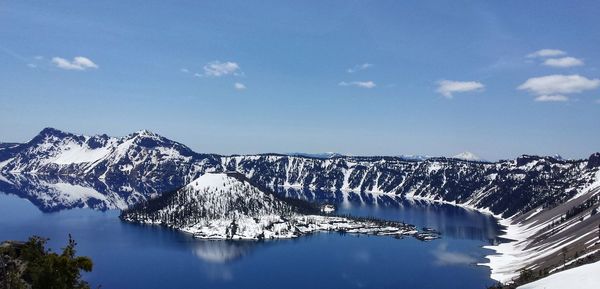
(136, 256)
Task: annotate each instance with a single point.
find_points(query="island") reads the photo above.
(229, 206)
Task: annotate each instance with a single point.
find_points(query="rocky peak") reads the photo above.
(594, 161)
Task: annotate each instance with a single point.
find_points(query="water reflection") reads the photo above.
(220, 252)
(445, 257)
(56, 193)
(52, 194)
(451, 221)
(143, 256)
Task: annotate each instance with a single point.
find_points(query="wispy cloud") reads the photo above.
(546, 53)
(239, 86)
(359, 67)
(184, 70)
(563, 62)
(31, 62)
(447, 88)
(361, 84)
(78, 63)
(552, 98)
(559, 84)
(218, 69)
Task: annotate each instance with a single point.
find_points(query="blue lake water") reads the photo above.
(136, 256)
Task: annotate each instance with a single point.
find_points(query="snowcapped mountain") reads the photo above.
(467, 156)
(212, 196)
(505, 187)
(153, 164)
(229, 206)
(140, 156)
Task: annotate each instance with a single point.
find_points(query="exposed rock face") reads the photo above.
(594, 161)
(143, 164)
(505, 187)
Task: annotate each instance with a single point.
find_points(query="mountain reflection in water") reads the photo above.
(53, 194)
(148, 256)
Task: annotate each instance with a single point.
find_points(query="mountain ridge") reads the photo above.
(539, 198)
(164, 164)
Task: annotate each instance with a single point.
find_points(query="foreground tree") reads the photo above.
(31, 265)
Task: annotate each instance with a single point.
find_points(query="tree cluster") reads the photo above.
(32, 265)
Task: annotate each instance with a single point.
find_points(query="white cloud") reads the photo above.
(31, 65)
(598, 101)
(359, 67)
(448, 87)
(361, 84)
(239, 86)
(184, 70)
(552, 98)
(217, 68)
(563, 62)
(546, 53)
(78, 63)
(559, 84)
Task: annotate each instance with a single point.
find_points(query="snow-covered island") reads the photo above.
(229, 206)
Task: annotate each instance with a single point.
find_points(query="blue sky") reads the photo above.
(497, 78)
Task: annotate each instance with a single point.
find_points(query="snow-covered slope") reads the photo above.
(213, 196)
(583, 277)
(229, 206)
(541, 238)
(504, 188)
(140, 156)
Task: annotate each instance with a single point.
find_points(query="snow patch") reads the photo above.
(583, 277)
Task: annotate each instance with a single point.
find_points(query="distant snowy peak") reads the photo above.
(325, 155)
(414, 157)
(560, 158)
(467, 156)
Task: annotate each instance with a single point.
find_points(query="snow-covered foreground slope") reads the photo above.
(583, 277)
(540, 237)
(229, 206)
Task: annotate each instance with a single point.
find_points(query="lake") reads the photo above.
(137, 256)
